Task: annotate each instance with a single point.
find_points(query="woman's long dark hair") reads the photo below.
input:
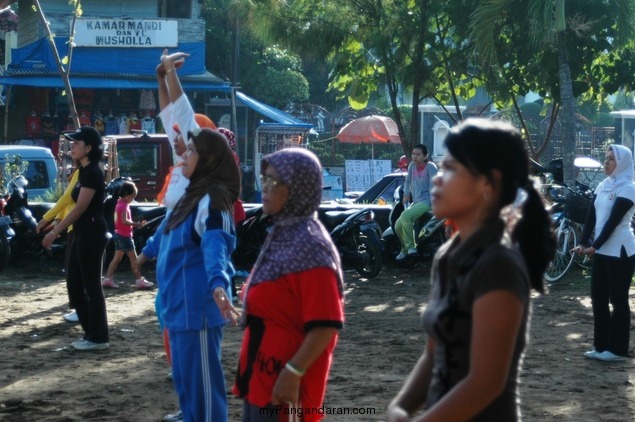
(483, 146)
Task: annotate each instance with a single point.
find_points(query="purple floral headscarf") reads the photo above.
(298, 240)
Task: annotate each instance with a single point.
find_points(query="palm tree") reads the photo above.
(549, 27)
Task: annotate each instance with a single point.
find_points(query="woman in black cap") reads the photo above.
(83, 276)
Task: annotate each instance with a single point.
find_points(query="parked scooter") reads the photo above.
(6, 236)
(429, 234)
(251, 234)
(153, 216)
(17, 216)
(358, 239)
(354, 232)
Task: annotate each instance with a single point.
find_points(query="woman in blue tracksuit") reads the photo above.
(193, 248)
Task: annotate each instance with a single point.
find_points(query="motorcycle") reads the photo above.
(357, 237)
(354, 232)
(18, 218)
(429, 232)
(152, 215)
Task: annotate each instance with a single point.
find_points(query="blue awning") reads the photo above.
(124, 68)
(273, 113)
(51, 79)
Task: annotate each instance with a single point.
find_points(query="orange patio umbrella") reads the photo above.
(370, 130)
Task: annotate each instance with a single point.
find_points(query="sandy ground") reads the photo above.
(43, 379)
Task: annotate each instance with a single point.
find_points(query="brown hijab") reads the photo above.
(216, 174)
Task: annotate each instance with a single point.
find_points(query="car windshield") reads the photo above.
(381, 192)
(36, 173)
(138, 159)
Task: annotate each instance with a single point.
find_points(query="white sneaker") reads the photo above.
(591, 354)
(412, 251)
(401, 256)
(72, 317)
(77, 342)
(109, 282)
(607, 356)
(142, 283)
(173, 417)
(84, 344)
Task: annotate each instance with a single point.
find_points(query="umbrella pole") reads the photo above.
(372, 165)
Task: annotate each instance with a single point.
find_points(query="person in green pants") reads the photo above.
(416, 198)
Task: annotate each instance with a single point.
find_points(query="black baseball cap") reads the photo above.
(88, 134)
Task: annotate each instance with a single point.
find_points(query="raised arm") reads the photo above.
(163, 86)
(170, 64)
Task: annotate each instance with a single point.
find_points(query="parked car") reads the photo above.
(41, 171)
(383, 191)
(378, 198)
(146, 158)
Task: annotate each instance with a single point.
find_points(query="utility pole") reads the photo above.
(234, 81)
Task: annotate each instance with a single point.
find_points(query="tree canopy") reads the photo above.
(443, 51)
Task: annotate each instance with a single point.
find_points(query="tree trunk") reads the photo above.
(64, 73)
(567, 114)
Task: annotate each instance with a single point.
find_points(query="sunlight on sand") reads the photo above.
(586, 301)
(403, 308)
(376, 308)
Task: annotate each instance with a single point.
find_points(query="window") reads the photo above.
(179, 9)
(138, 160)
(37, 175)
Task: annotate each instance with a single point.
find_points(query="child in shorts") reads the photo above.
(123, 238)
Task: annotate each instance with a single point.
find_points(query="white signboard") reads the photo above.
(333, 187)
(118, 32)
(361, 174)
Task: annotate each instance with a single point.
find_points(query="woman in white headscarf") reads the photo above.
(613, 250)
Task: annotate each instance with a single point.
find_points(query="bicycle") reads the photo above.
(569, 215)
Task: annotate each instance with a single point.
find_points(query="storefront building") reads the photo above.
(117, 46)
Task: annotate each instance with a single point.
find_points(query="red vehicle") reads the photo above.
(146, 158)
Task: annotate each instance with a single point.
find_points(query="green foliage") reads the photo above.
(408, 47)
(532, 109)
(51, 195)
(623, 100)
(604, 120)
(276, 78)
(282, 88)
(12, 169)
(445, 51)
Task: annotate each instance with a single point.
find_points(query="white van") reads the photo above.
(41, 171)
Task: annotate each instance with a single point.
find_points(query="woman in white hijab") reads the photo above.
(613, 250)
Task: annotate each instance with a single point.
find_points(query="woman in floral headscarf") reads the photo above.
(613, 249)
(293, 300)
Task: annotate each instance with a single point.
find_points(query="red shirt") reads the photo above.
(279, 314)
(33, 125)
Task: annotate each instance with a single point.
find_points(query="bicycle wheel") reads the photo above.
(563, 260)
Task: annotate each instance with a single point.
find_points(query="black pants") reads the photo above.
(610, 282)
(83, 281)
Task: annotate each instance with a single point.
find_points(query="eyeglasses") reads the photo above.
(269, 182)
